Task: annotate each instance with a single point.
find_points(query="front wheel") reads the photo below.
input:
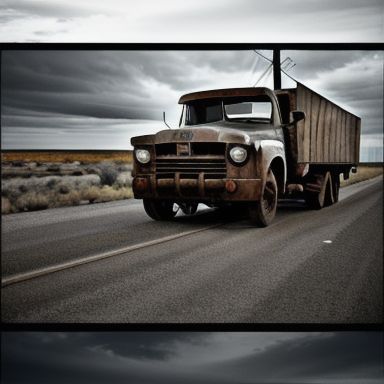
(189, 208)
(263, 212)
(160, 209)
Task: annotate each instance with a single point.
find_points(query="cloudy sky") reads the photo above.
(54, 99)
(214, 21)
(192, 358)
(85, 97)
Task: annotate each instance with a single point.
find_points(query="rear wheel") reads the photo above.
(160, 209)
(263, 212)
(319, 193)
(335, 187)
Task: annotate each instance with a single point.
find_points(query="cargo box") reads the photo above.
(328, 134)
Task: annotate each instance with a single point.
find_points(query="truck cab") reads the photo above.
(228, 150)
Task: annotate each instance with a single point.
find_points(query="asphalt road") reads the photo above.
(323, 267)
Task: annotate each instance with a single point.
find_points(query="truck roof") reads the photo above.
(228, 92)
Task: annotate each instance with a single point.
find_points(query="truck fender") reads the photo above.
(271, 155)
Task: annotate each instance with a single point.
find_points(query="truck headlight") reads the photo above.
(238, 154)
(143, 156)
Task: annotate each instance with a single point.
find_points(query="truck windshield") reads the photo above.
(242, 111)
(201, 113)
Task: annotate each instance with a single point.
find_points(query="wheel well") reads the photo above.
(278, 169)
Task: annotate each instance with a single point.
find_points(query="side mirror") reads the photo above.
(298, 116)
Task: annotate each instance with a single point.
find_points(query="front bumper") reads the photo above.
(199, 189)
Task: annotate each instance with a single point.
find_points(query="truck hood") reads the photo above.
(221, 131)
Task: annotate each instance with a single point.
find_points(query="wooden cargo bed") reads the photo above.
(328, 135)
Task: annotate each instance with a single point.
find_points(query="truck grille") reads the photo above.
(191, 166)
(190, 159)
(195, 149)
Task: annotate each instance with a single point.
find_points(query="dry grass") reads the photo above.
(364, 172)
(66, 156)
(34, 201)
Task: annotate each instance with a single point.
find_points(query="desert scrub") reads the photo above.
(92, 194)
(32, 201)
(65, 200)
(106, 193)
(108, 172)
(20, 195)
(124, 179)
(14, 188)
(6, 206)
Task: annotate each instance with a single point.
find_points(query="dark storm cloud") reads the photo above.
(343, 355)
(352, 79)
(146, 345)
(188, 357)
(103, 84)
(45, 357)
(79, 104)
(356, 354)
(46, 71)
(309, 63)
(62, 359)
(135, 345)
(76, 83)
(118, 81)
(66, 71)
(140, 85)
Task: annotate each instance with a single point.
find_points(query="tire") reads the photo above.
(160, 209)
(335, 187)
(263, 212)
(189, 209)
(320, 193)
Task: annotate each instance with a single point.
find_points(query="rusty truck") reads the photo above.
(247, 148)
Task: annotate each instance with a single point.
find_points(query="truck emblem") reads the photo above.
(187, 135)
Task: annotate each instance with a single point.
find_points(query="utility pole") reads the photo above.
(276, 69)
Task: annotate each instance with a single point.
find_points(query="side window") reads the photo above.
(191, 117)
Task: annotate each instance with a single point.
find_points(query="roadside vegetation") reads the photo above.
(70, 156)
(364, 172)
(35, 186)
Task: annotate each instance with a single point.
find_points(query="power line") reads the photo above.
(285, 66)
